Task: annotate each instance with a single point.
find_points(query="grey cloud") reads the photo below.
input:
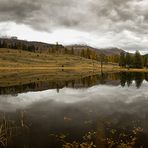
(93, 16)
(17, 11)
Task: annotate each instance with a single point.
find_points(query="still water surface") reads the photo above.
(104, 110)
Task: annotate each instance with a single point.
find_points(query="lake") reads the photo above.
(103, 110)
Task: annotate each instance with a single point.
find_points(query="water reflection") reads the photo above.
(130, 77)
(112, 112)
(122, 78)
(104, 110)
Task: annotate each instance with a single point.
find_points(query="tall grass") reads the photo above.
(9, 129)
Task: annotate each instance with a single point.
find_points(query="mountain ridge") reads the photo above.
(106, 51)
(42, 47)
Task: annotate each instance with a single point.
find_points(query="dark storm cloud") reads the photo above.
(17, 10)
(39, 14)
(98, 17)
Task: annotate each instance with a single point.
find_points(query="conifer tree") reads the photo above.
(145, 62)
(122, 61)
(138, 60)
(128, 60)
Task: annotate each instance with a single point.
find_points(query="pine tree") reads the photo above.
(72, 51)
(57, 47)
(122, 61)
(102, 59)
(138, 60)
(82, 53)
(88, 53)
(65, 50)
(128, 60)
(145, 62)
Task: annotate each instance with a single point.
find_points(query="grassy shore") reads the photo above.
(133, 70)
(18, 60)
(21, 67)
(15, 59)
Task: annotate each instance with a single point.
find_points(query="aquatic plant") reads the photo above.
(87, 141)
(9, 129)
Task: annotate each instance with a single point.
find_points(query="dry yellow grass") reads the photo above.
(18, 60)
(21, 67)
(134, 70)
(15, 59)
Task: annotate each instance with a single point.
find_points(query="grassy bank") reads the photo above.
(134, 70)
(21, 67)
(15, 59)
(18, 60)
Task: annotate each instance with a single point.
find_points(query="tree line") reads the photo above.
(18, 45)
(128, 60)
(125, 59)
(55, 49)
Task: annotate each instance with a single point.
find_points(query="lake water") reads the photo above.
(104, 110)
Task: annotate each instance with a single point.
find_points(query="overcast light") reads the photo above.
(99, 23)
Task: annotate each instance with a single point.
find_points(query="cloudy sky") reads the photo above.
(99, 23)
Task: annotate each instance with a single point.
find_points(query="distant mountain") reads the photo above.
(106, 51)
(28, 45)
(41, 47)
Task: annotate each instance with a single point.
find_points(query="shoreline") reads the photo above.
(50, 68)
(23, 75)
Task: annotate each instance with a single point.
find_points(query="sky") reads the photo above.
(98, 23)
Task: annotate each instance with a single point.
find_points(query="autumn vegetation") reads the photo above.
(22, 54)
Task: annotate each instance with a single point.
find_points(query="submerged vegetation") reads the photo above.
(105, 136)
(120, 138)
(9, 129)
(87, 141)
(89, 123)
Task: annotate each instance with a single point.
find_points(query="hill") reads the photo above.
(14, 43)
(41, 47)
(23, 67)
(106, 51)
(12, 58)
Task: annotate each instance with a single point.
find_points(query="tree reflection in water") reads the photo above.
(102, 78)
(128, 78)
(100, 116)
